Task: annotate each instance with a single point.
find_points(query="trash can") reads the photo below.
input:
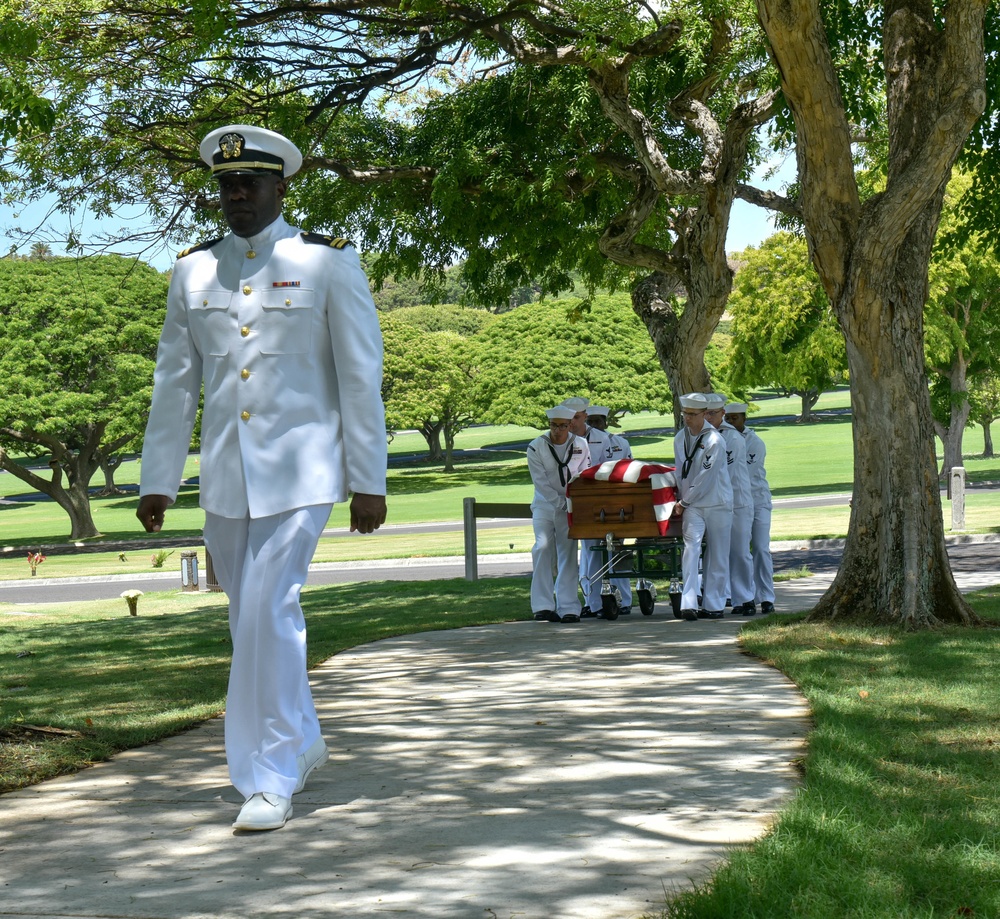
(189, 570)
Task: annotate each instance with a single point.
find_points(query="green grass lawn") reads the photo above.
(982, 513)
(812, 459)
(899, 811)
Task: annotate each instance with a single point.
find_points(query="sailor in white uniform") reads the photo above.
(760, 532)
(740, 560)
(281, 328)
(553, 459)
(705, 506)
(597, 419)
(600, 452)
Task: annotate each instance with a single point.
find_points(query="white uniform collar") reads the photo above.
(278, 229)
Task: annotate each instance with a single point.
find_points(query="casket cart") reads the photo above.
(633, 543)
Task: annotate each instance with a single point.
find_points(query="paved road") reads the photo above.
(973, 556)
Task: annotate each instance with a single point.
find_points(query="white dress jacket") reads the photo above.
(287, 342)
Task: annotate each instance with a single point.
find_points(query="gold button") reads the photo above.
(245, 374)
(204, 303)
(288, 303)
(248, 290)
(251, 254)
(245, 331)
(245, 416)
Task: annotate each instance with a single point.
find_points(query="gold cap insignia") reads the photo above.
(231, 145)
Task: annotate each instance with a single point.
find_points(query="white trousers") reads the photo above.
(262, 565)
(590, 563)
(763, 566)
(555, 567)
(741, 583)
(714, 525)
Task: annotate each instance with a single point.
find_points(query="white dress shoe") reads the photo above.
(264, 811)
(312, 759)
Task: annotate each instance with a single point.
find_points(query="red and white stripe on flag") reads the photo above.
(661, 480)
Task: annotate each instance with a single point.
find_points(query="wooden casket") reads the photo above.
(622, 508)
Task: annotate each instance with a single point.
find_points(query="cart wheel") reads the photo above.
(675, 603)
(609, 606)
(646, 602)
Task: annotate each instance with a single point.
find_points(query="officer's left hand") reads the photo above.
(367, 512)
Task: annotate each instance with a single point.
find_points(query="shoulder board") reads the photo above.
(318, 239)
(200, 247)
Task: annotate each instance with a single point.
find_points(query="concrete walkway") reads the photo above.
(522, 770)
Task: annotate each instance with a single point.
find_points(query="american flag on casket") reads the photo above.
(662, 485)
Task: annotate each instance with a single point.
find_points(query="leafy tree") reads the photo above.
(23, 108)
(532, 358)
(423, 288)
(962, 319)
(428, 382)
(984, 396)
(872, 257)
(531, 142)
(784, 333)
(621, 165)
(77, 347)
(462, 320)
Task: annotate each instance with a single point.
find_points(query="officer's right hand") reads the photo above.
(151, 510)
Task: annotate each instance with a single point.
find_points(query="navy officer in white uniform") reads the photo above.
(281, 328)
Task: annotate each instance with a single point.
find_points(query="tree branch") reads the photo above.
(610, 83)
(618, 240)
(825, 165)
(770, 200)
(370, 175)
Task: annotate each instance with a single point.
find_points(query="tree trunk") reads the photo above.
(873, 262)
(79, 467)
(75, 500)
(449, 448)
(108, 466)
(987, 439)
(952, 438)
(697, 260)
(679, 356)
(959, 409)
(431, 431)
(808, 399)
(895, 567)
